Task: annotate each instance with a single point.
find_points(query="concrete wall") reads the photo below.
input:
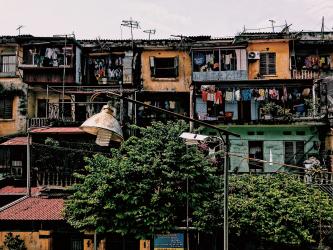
(18, 122)
(281, 48)
(14, 82)
(33, 100)
(41, 240)
(178, 84)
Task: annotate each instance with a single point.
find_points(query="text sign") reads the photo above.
(169, 241)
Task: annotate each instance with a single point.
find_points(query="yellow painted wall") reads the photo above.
(8, 126)
(281, 48)
(33, 100)
(17, 123)
(179, 84)
(31, 239)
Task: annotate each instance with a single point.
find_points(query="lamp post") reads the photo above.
(193, 138)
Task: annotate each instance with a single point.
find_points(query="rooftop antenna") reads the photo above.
(131, 24)
(272, 22)
(286, 27)
(322, 27)
(19, 29)
(150, 32)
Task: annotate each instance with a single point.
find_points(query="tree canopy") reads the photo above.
(141, 189)
(277, 208)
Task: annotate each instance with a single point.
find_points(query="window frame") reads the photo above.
(6, 108)
(295, 152)
(8, 67)
(153, 68)
(265, 64)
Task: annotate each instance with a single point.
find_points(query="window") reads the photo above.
(8, 63)
(164, 67)
(267, 63)
(293, 152)
(6, 108)
(17, 170)
(41, 107)
(256, 152)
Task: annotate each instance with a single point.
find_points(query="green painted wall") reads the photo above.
(273, 137)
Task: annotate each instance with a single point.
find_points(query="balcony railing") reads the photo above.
(305, 74)
(220, 75)
(37, 122)
(55, 179)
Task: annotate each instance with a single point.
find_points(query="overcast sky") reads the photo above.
(102, 18)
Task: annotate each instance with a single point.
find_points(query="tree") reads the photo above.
(276, 209)
(14, 243)
(141, 190)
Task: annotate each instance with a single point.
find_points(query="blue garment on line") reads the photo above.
(246, 94)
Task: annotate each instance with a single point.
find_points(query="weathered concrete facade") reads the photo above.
(281, 49)
(12, 89)
(180, 82)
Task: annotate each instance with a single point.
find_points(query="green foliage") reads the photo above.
(51, 142)
(14, 243)
(141, 190)
(277, 209)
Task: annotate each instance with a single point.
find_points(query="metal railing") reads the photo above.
(305, 74)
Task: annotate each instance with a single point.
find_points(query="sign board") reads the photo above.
(169, 241)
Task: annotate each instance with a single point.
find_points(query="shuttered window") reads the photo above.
(268, 63)
(164, 67)
(6, 108)
(294, 152)
(8, 64)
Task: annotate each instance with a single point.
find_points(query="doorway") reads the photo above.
(256, 152)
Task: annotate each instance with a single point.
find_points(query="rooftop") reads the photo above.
(58, 130)
(34, 208)
(16, 141)
(11, 190)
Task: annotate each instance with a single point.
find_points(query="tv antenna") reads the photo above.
(19, 29)
(272, 22)
(131, 24)
(150, 32)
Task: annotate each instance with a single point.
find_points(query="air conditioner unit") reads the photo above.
(253, 55)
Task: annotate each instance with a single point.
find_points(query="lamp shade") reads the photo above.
(105, 126)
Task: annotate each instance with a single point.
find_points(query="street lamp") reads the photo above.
(194, 139)
(105, 126)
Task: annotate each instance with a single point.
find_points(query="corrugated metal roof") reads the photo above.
(11, 190)
(34, 208)
(17, 141)
(58, 130)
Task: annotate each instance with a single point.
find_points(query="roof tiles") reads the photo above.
(34, 208)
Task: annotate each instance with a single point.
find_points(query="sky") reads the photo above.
(102, 18)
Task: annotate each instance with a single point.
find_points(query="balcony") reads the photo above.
(220, 75)
(306, 74)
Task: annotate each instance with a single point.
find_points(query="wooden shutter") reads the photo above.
(271, 64)
(299, 154)
(289, 152)
(152, 65)
(267, 63)
(294, 152)
(176, 63)
(6, 108)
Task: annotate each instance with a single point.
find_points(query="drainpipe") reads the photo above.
(314, 100)
(28, 165)
(191, 108)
